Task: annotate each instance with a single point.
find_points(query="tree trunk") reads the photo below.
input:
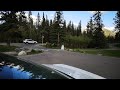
(8, 42)
(58, 39)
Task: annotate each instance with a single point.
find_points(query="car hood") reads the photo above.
(73, 71)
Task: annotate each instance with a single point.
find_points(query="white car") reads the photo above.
(29, 41)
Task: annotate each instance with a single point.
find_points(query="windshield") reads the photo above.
(29, 40)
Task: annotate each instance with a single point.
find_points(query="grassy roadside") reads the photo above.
(5, 48)
(103, 52)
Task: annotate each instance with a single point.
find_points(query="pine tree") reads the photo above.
(47, 30)
(79, 29)
(23, 26)
(43, 25)
(64, 27)
(117, 26)
(10, 26)
(57, 30)
(98, 35)
(72, 29)
(38, 21)
(30, 24)
(38, 28)
(69, 31)
(51, 31)
(90, 28)
(51, 23)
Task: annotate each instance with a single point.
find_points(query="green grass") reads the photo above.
(5, 48)
(114, 53)
(103, 52)
(34, 52)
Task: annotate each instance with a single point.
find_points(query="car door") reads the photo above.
(30, 41)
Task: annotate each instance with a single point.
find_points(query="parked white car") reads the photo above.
(29, 41)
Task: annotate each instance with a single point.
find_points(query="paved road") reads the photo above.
(28, 46)
(108, 67)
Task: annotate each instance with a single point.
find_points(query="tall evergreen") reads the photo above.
(79, 29)
(98, 35)
(69, 28)
(58, 35)
(38, 21)
(11, 24)
(90, 28)
(64, 26)
(43, 25)
(117, 26)
(47, 30)
(38, 28)
(30, 24)
(72, 29)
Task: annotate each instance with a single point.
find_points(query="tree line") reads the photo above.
(15, 27)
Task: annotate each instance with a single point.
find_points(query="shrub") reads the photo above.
(77, 42)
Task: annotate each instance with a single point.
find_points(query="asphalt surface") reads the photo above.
(107, 67)
(28, 46)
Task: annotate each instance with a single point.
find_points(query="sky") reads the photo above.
(76, 16)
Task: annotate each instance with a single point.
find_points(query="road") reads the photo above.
(28, 46)
(107, 67)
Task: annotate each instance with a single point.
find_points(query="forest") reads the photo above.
(15, 27)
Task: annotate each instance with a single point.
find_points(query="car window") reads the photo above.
(29, 40)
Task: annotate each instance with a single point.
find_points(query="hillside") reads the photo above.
(108, 32)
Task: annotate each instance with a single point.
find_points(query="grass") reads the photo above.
(103, 52)
(114, 53)
(5, 48)
(34, 52)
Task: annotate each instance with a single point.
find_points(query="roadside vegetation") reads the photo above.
(102, 52)
(5, 48)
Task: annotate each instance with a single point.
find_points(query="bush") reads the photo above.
(77, 42)
(52, 45)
